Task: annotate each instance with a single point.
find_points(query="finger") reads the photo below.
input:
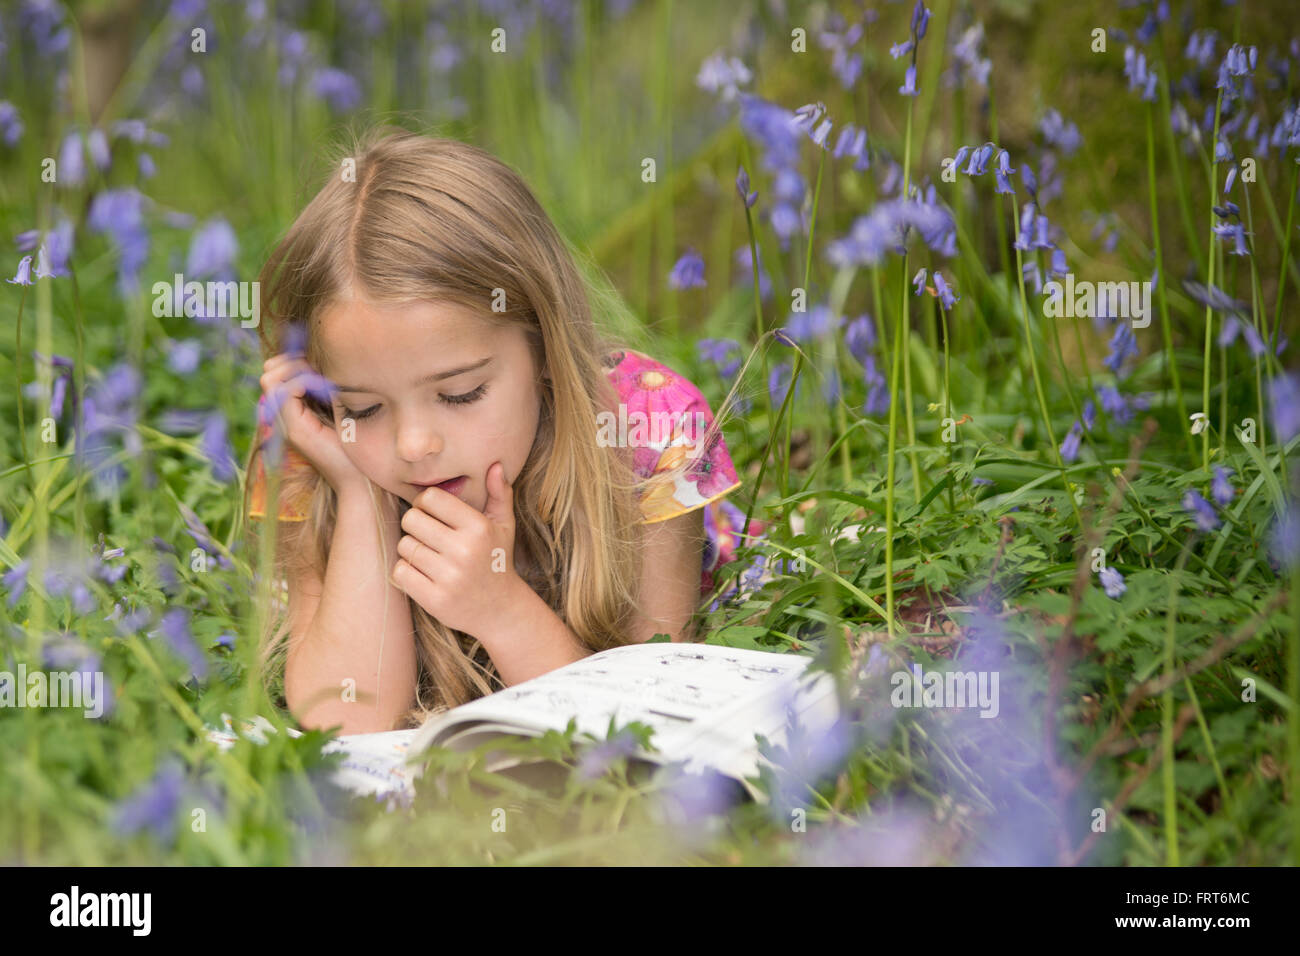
(445, 506)
(419, 555)
(426, 529)
(420, 588)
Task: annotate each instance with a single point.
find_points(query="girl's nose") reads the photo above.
(417, 440)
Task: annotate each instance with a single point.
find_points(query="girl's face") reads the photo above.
(436, 393)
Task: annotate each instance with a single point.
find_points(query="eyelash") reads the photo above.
(466, 399)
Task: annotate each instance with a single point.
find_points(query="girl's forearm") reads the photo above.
(530, 640)
(356, 665)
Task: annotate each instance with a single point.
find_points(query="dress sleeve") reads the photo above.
(291, 508)
(666, 421)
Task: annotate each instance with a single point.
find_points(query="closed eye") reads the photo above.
(465, 399)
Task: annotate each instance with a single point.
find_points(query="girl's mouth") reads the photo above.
(452, 485)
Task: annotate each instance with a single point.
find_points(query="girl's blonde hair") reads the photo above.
(431, 219)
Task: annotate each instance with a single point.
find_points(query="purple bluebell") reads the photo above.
(1024, 241)
(153, 805)
(145, 164)
(1201, 510)
(1284, 398)
(877, 402)
(1231, 178)
(852, 142)
(720, 352)
(337, 88)
(719, 74)
(1284, 537)
(918, 281)
(809, 325)
(1113, 582)
(71, 168)
(24, 274)
(778, 382)
(56, 250)
(183, 356)
(947, 297)
(26, 241)
(1221, 489)
(920, 19)
(15, 581)
(1236, 232)
(97, 143)
(596, 759)
(1070, 447)
(909, 82)
(1123, 344)
(175, 627)
(742, 187)
(966, 58)
(212, 253)
(687, 272)
(1033, 277)
(1058, 267)
(981, 482)
(120, 213)
(885, 228)
(216, 447)
(11, 127)
(1114, 404)
(1059, 132)
(859, 337)
(1215, 298)
(782, 336)
(899, 50)
(1089, 414)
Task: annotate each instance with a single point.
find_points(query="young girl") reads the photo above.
(461, 506)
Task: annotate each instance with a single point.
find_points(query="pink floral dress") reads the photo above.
(663, 417)
(648, 389)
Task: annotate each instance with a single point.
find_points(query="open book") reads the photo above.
(704, 702)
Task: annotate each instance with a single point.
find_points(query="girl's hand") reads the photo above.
(286, 381)
(458, 564)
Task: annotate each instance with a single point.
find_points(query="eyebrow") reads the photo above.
(434, 377)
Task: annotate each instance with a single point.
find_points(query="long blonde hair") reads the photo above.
(432, 219)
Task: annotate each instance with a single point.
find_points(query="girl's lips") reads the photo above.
(452, 485)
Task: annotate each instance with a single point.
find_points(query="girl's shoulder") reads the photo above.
(665, 419)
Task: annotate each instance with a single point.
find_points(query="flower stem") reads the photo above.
(1160, 283)
(1209, 313)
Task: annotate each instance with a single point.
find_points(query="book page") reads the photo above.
(703, 701)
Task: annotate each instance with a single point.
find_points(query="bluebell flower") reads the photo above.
(97, 143)
(595, 760)
(120, 213)
(852, 142)
(719, 352)
(1215, 298)
(1031, 182)
(920, 19)
(1024, 241)
(1284, 537)
(1089, 414)
(216, 448)
(901, 49)
(1284, 398)
(153, 805)
(15, 581)
(859, 337)
(1236, 232)
(918, 281)
(338, 88)
(1060, 133)
(877, 402)
(24, 274)
(56, 250)
(1033, 278)
(719, 74)
(1114, 404)
(11, 127)
(806, 326)
(71, 168)
(687, 272)
(909, 82)
(212, 253)
(946, 296)
(1201, 509)
(1221, 490)
(742, 187)
(1231, 178)
(1113, 582)
(1070, 447)
(145, 164)
(1122, 345)
(175, 627)
(1058, 266)
(980, 482)
(745, 265)
(183, 356)
(966, 58)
